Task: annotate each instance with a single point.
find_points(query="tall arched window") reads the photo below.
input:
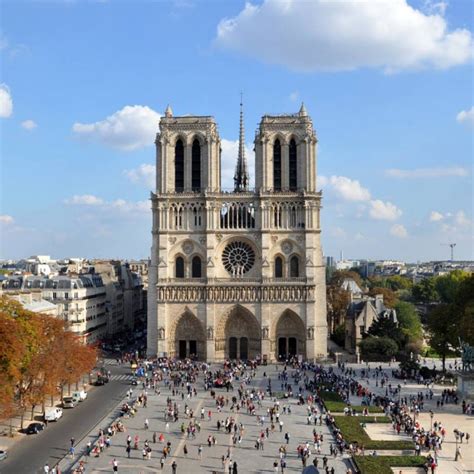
(179, 166)
(179, 267)
(196, 268)
(277, 165)
(294, 267)
(278, 267)
(196, 166)
(293, 164)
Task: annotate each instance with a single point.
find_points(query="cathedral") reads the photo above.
(236, 274)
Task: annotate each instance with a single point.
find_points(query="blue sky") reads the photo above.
(388, 85)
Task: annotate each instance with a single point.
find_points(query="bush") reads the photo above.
(378, 348)
(339, 335)
(353, 432)
(335, 404)
(383, 464)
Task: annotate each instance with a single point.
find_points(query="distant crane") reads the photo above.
(452, 245)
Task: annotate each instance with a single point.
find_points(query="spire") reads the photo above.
(303, 112)
(168, 111)
(241, 176)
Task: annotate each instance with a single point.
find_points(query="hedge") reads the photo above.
(383, 464)
(353, 432)
(334, 403)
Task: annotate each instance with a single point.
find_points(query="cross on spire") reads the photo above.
(241, 176)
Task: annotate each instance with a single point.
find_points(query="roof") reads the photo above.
(40, 306)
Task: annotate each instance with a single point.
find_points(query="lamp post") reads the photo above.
(431, 417)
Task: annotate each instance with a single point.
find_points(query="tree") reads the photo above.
(464, 309)
(425, 291)
(338, 301)
(387, 328)
(378, 348)
(443, 329)
(447, 286)
(409, 321)
(397, 282)
(389, 297)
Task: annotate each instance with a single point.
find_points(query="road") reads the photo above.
(29, 455)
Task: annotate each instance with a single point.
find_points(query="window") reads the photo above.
(278, 267)
(179, 166)
(293, 166)
(277, 165)
(196, 269)
(179, 267)
(196, 166)
(294, 267)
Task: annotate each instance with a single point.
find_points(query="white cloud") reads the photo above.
(461, 219)
(130, 128)
(381, 210)
(466, 117)
(6, 219)
(439, 172)
(338, 232)
(120, 205)
(346, 188)
(145, 174)
(398, 230)
(85, 200)
(436, 216)
(6, 101)
(230, 152)
(29, 124)
(323, 35)
(294, 96)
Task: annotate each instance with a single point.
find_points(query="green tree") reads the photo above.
(464, 309)
(425, 291)
(443, 328)
(397, 282)
(447, 286)
(378, 348)
(409, 321)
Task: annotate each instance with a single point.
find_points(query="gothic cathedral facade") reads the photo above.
(236, 274)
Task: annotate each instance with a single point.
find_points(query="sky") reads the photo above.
(388, 84)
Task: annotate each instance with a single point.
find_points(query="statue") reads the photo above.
(161, 333)
(467, 354)
(311, 332)
(210, 333)
(265, 332)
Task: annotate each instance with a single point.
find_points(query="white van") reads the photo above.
(79, 395)
(53, 414)
(69, 402)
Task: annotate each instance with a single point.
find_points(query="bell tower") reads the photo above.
(285, 153)
(187, 154)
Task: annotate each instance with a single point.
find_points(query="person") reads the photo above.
(287, 437)
(72, 441)
(185, 450)
(71, 451)
(115, 465)
(174, 466)
(46, 468)
(162, 462)
(146, 423)
(128, 449)
(234, 468)
(200, 451)
(458, 454)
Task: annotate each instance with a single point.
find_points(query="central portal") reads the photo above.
(238, 335)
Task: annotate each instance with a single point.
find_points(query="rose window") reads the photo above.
(238, 258)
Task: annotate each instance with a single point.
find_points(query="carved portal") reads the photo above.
(187, 333)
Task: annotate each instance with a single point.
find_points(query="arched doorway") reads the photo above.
(187, 338)
(289, 336)
(238, 335)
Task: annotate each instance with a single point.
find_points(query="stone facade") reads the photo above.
(236, 274)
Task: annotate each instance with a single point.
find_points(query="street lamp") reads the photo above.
(431, 416)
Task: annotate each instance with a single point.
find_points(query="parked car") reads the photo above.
(34, 428)
(3, 455)
(99, 382)
(69, 402)
(53, 414)
(80, 395)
